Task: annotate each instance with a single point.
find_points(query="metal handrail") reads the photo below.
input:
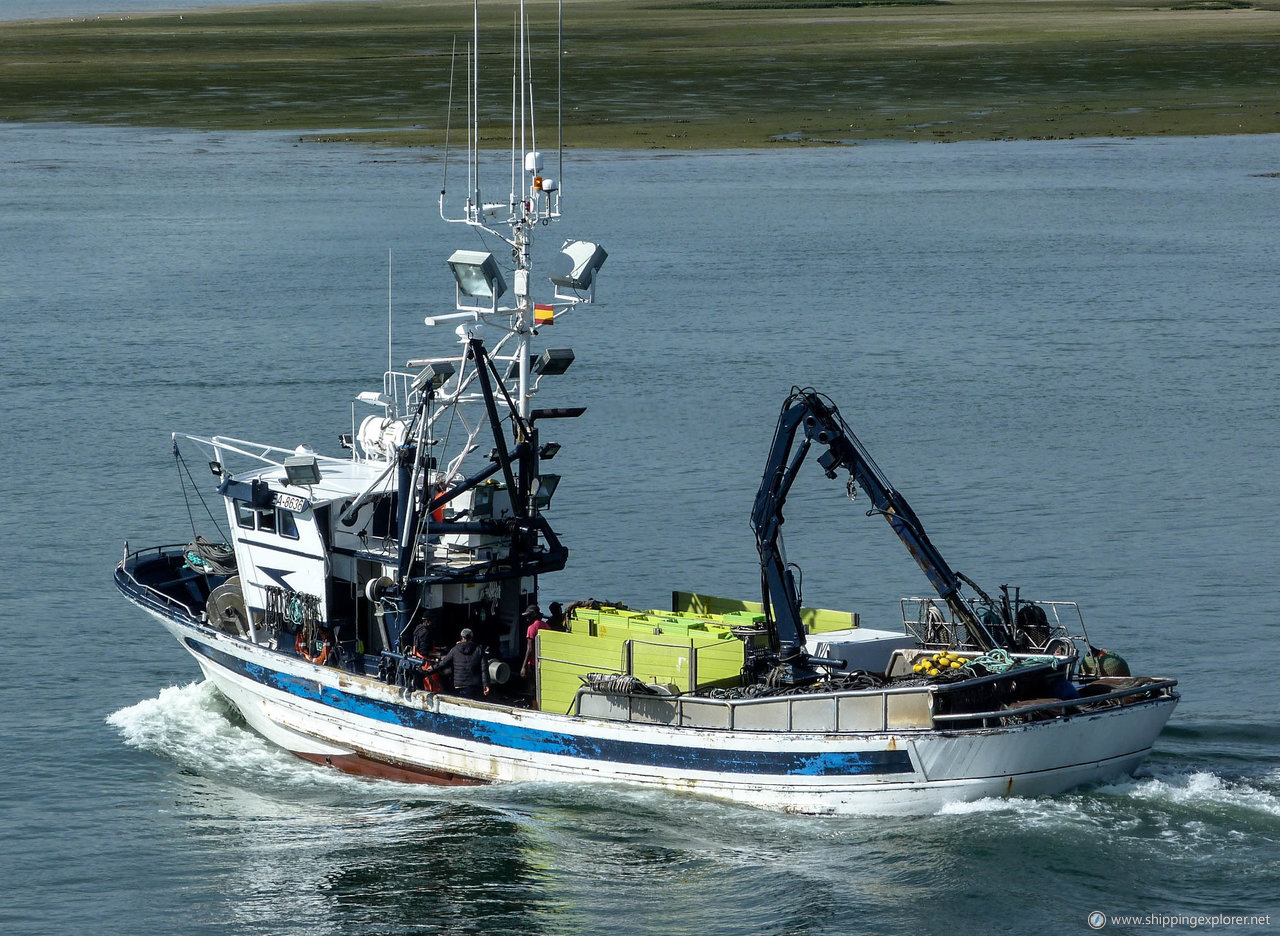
(259, 451)
(732, 705)
(399, 386)
(917, 626)
(1061, 703)
(167, 600)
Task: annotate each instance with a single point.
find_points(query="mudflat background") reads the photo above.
(647, 74)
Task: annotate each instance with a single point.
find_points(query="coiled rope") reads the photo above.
(998, 661)
(994, 661)
(210, 558)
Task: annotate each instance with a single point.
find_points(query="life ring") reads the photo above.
(300, 644)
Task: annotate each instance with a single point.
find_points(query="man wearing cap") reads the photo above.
(424, 636)
(532, 614)
(470, 668)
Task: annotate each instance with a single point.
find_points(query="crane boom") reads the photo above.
(823, 426)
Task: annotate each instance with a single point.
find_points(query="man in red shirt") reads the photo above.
(533, 614)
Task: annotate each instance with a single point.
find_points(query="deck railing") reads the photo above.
(882, 710)
(146, 593)
(932, 623)
(904, 709)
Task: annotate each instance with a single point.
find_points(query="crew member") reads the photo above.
(423, 636)
(470, 667)
(533, 614)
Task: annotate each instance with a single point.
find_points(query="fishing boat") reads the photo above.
(328, 609)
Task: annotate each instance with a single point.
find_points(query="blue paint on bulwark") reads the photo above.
(533, 740)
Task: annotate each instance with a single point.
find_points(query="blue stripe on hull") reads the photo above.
(532, 740)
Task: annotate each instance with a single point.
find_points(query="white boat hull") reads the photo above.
(364, 726)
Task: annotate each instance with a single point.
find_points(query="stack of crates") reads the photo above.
(685, 651)
(688, 648)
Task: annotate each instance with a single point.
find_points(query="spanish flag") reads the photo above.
(544, 315)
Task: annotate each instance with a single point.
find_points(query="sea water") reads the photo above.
(1064, 354)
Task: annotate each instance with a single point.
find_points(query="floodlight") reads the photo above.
(548, 450)
(477, 274)
(577, 264)
(302, 469)
(433, 376)
(547, 484)
(556, 412)
(553, 361)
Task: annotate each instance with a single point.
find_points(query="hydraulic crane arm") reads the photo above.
(822, 425)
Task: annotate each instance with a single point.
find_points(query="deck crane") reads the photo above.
(822, 424)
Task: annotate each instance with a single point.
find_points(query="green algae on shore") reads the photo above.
(664, 75)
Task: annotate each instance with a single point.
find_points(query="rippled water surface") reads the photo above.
(1066, 355)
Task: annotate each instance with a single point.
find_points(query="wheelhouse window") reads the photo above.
(286, 525)
(271, 520)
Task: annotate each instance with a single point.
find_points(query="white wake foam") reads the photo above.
(1200, 793)
(195, 727)
(1199, 789)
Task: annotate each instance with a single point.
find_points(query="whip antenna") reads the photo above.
(389, 360)
(448, 120)
(560, 95)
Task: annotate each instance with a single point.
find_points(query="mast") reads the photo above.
(524, 322)
(482, 281)
(447, 405)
